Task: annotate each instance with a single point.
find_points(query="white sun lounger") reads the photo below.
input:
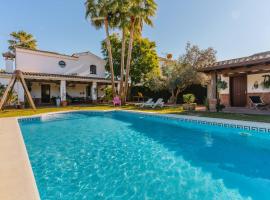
(148, 103)
(159, 103)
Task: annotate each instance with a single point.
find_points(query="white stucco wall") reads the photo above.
(78, 91)
(18, 89)
(251, 79)
(36, 90)
(87, 59)
(227, 90)
(4, 81)
(35, 61)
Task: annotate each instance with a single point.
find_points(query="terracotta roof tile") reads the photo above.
(259, 58)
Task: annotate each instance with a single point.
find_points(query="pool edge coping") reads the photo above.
(18, 178)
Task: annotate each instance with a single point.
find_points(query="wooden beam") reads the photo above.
(245, 69)
(8, 89)
(28, 95)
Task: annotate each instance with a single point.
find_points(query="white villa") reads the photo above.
(77, 78)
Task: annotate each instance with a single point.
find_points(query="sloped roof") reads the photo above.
(249, 61)
(49, 52)
(58, 76)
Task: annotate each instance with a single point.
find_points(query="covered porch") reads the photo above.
(234, 81)
(46, 88)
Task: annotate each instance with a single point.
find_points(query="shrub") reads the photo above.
(188, 98)
(108, 94)
(219, 106)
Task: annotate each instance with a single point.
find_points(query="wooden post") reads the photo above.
(28, 95)
(18, 75)
(212, 94)
(8, 89)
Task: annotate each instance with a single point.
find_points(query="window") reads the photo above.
(93, 69)
(62, 63)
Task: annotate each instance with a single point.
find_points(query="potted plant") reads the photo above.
(189, 100)
(266, 81)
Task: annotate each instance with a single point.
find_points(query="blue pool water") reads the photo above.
(124, 156)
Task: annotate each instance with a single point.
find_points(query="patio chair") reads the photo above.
(116, 101)
(148, 103)
(258, 103)
(159, 103)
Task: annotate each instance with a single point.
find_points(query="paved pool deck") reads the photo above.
(16, 177)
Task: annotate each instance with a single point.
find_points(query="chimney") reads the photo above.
(9, 61)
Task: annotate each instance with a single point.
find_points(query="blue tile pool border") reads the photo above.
(234, 124)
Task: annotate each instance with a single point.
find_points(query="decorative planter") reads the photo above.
(189, 106)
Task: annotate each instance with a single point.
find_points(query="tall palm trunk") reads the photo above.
(130, 46)
(122, 62)
(109, 48)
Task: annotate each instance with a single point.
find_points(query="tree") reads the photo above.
(22, 39)
(121, 20)
(100, 13)
(144, 58)
(180, 74)
(140, 13)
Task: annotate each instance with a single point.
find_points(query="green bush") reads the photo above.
(219, 106)
(188, 98)
(108, 94)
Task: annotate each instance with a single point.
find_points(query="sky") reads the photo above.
(234, 28)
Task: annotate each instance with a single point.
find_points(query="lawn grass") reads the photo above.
(29, 112)
(234, 116)
(165, 110)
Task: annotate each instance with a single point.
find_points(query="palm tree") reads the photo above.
(22, 39)
(141, 12)
(121, 20)
(100, 13)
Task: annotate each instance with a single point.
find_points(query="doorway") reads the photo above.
(238, 91)
(45, 93)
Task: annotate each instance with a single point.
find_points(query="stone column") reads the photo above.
(212, 92)
(63, 92)
(94, 92)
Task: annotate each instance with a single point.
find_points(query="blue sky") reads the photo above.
(233, 27)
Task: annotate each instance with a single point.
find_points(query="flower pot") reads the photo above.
(189, 106)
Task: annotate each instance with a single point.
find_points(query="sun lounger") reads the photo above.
(258, 103)
(148, 103)
(159, 103)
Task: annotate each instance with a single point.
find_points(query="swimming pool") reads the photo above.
(121, 155)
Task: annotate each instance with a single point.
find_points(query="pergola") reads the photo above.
(255, 64)
(17, 76)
